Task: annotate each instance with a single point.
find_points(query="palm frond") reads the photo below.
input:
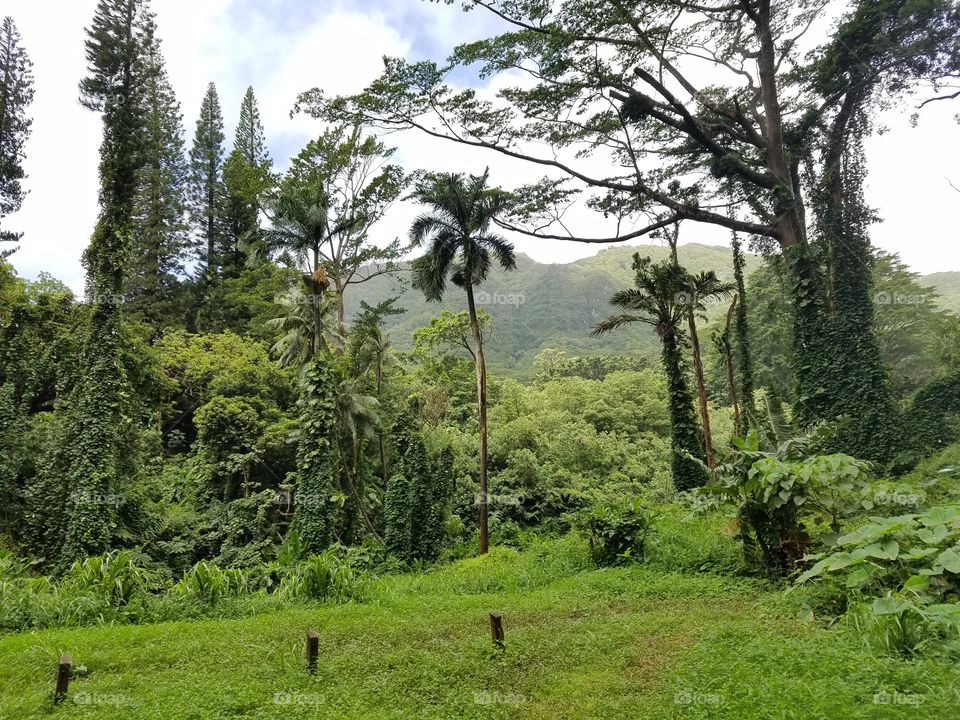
(615, 322)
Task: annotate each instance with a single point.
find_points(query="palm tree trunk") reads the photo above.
(383, 454)
(701, 390)
(728, 365)
(482, 417)
(341, 314)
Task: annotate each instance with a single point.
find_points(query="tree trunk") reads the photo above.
(701, 389)
(482, 416)
(728, 366)
(687, 474)
(789, 208)
(383, 454)
(341, 313)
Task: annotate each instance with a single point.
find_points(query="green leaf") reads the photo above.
(945, 612)
(887, 550)
(859, 577)
(889, 605)
(950, 559)
(943, 515)
(916, 583)
(933, 535)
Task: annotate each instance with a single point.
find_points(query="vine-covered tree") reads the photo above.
(620, 81)
(662, 298)
(16, 94)
(703, 287)
(741, 332)
(462, 247)
(160, 241)
(317, 454)
(416, 497)
(98, 425)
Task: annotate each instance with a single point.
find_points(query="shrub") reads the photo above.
(780, 494)
(899, 576)
(112, 577)
(618, 534)
(327, 577)
(210, 584)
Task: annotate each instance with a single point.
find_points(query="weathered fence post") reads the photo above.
(63, 678)
(313, 647)
(496, 629)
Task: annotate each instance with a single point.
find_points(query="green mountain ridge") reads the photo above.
(554, 305)
(544, 305)
(947, 285)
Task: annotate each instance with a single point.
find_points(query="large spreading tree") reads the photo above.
(708, 111)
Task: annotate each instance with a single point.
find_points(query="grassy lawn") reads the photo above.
(627, 643)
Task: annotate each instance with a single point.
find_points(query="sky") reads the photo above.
(284, 47)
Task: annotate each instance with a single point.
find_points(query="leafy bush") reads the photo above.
(899, 576)
(779, 494)
(105, 588)
(329, 576)
(113, 577)
(210, 584)
(618, 534)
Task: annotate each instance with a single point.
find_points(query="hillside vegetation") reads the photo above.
(541, 305)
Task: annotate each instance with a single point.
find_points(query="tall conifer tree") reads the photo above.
(118, 40)
(246, 175)
(207, 196)
(160, 242)
(16, 93)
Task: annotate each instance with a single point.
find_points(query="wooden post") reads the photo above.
(496, 629)
(63, 678)
(313, 646)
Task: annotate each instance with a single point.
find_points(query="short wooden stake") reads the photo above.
(313, 648)
(63, 678)
(496, 629)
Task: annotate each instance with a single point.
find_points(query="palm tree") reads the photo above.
(297, 328)
(300, 226)
(661, 298)
(370, 349)
(461, 244)
(703, 286)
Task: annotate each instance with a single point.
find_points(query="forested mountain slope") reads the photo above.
(546, 305)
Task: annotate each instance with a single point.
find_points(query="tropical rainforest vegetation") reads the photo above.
(743, 459)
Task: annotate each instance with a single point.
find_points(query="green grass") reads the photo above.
(632, 643)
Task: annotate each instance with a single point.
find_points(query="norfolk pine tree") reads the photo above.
(16, 94)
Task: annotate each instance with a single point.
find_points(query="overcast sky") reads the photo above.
(283, 47)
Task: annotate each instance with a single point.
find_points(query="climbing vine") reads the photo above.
(317, 455)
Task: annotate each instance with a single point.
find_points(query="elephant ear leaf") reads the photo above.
(950, 559)
(943, 515)
(889, 605)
